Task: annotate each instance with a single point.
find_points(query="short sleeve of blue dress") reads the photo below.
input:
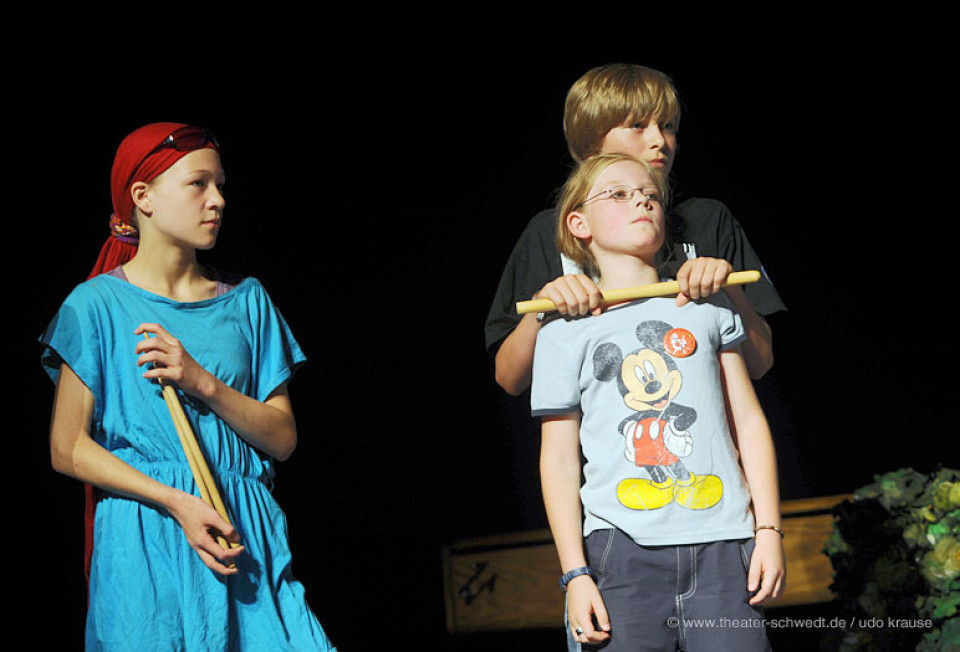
(148, 588)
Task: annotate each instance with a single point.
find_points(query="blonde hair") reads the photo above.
(612, 96)
(577, 189)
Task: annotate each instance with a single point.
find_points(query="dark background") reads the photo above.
(376, 188)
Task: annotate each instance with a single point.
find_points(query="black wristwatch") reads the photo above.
(576, 572)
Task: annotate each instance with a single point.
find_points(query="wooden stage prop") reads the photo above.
(198, 465)
(511, 581)
(662, 289)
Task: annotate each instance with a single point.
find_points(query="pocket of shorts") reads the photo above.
(746, 553)
(599, 544)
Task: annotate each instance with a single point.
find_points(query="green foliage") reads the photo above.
(895, 551)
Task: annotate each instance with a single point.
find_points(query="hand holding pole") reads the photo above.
(191, 448)
(666, 288)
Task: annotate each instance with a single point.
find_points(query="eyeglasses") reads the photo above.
(187, 139)
(623, 194)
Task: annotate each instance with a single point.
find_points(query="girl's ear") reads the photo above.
(577, 225)
(140, 192)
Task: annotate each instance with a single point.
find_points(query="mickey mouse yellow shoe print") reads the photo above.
(698, 491)
(639, 493)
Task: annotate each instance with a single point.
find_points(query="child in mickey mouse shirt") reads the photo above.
(677, 523)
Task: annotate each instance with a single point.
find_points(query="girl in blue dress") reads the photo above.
(159, 579)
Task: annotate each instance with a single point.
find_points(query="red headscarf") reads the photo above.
(135, 161)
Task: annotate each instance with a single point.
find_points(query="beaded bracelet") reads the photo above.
(768, 527)
(576, 572)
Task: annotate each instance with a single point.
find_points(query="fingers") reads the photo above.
(603, 620)
(574, 295)
(201, 526)
(704, 279)
(701, 277)
(765, 593)
(586, 632)
(166, 359)
(156, 329)
(771, 587)
(209, 545)
(162, 339)
(217, 558)
(768, 583)
(589, 621)
(161, 366)
(155, 350)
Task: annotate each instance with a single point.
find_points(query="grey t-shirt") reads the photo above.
(660, 462)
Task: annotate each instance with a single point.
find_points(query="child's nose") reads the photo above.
(218, 199)
(655, 134)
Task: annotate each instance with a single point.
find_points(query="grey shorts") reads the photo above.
(688, 597)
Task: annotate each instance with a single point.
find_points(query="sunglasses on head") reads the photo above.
(187, 139)
(184, 139)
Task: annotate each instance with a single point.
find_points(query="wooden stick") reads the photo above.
(198, 465)
(663, 289)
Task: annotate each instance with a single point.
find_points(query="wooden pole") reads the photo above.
(663, 289)
(191, 448)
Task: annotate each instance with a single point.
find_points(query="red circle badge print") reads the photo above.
(679, 342)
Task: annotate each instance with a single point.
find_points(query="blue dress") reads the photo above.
(148, 589)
